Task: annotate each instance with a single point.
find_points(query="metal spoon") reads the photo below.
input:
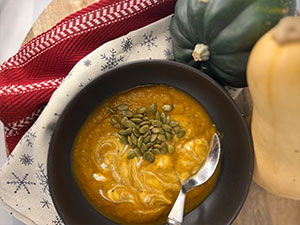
(206, 171)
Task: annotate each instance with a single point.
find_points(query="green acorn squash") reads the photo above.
(216, 36)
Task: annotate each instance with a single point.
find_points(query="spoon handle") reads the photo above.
(176, 215)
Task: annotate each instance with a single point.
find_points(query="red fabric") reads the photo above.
(28, 79)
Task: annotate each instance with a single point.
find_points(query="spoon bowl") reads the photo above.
(205, 172)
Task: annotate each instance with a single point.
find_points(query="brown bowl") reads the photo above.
(229, 194)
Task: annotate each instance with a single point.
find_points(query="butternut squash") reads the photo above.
(273, 75)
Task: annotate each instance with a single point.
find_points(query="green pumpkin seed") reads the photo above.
(124, 119)
(157, 146)
(156, 151)
(131, 155)
(111, 109)
(164, 148)
(149, 145)
(116, 125)
(174, 123)
(148, 133)
(125, 132)
(127, 113)
(181, 133)
(157, 116)
(177, 129)
(167, 128)
(169, 136)
(161, 137)
(129, 140)
(145, 118)
(123, 140)
(155, 130)
(133, 139)
(140, 141)
(144, 129)
(153, 108)
(136, 131)
(163, 117)
(137, 152)
(122, 107)
(161, 131)
(168, 120)
(136, 120)
(115, 119)
(156, 123)
(144, 148)
(167, 107)
(153, 137)
(138, 115)
(149, 156)
(141, 110)
(170, 149)
(147, 139)
(128, 124)
(145, 123)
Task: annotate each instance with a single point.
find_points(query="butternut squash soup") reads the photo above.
(133, 150)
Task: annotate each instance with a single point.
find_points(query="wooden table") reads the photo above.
(261, 207)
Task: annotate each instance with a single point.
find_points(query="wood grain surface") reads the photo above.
(261, 207)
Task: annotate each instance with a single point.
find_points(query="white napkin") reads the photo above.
(24, 188)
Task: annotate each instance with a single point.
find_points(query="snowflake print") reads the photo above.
(26, 159)
(21, 183)
(87, 63)
(11, 156)
(29, 138)
(57, 221)
(43, 178)
(168, 38)
(168, 54)
(111, 61)
(149, 40)
(45, 203)
(126, 44)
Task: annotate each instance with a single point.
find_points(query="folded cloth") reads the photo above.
(28, 79)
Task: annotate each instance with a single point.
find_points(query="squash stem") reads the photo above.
(201, 52)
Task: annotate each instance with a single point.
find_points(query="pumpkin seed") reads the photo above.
(153, 108)
(161, 137)
(144, 148)
(177, 129)
(153, 137)
(147, 139)
(156, 123)
(124, 119)
(122, 107)
(111, 109)
(168, 120)
(157, 146)
(145, 118)
(145, 123)
(155, 130)
(116, 124)
(164, 148)
(146, 134)
(123, 140)
(140, 141)
(157, 116)
(127, 113)
(114, 119)
(163, 117)
(149, 145)
(161, 131)
(136, 120)
(133, 139)
(129, 140)
(131, 155)
(174, 123)
(156, 151)
(144, 129)
(141, 110)
(149, 156)
(181, 133)
(136, 131)
(170, 149)
(125, 132)
(167, 128)
(128, 124)
(138, 115)
(137, 152)
(169, 136)
(167, 107)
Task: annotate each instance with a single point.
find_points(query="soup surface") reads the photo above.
(135, 191)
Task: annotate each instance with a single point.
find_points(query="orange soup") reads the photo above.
(116, 176)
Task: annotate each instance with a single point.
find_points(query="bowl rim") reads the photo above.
(163, 62)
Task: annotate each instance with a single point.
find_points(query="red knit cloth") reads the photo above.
(28, 79)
